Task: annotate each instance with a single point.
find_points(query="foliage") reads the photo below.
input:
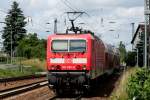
(34, 63)
(32, 47)
(3, 59)
(120, 93)
(122, 50)
(14, 28)
(139, 85)
(130, 58)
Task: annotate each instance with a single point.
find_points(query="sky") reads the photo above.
(98, 17)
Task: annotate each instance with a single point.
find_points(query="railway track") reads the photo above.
(42, 92)
(8, 83)
(21, 89)
(4, 80)
(101, 91)
(77, 97)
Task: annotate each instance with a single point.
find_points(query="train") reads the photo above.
(75, 60)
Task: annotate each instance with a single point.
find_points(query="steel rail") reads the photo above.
(79, 97)
(20, 78)
(21, 89)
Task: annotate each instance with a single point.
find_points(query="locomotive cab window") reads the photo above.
(77, 46)
(60, 45)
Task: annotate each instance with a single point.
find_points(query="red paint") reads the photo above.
(68, 56)
(97, 54)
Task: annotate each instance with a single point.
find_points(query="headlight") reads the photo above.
(53, 67)
(84, 67)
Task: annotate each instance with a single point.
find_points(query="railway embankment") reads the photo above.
(113, 87)
(127, 84)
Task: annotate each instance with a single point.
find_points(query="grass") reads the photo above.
(6, 73)
(26, 67)
(119, 92)
(13, 73)
(40, 64)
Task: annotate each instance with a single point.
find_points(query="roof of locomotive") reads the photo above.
(108, 48)
(64, 36)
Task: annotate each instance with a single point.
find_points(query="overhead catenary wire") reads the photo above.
(72, 5)
(68, 5)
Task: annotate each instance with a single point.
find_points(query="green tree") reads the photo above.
(14, 29)
(130, 58)
(41, 49)
(32, 47)
(122, 50)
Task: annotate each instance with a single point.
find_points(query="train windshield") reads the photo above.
(77, 45)
(69, 45)
(60, 45)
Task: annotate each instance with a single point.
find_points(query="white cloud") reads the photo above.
(130, 12)
(123, 12)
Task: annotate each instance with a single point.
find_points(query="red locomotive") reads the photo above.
(73, 60)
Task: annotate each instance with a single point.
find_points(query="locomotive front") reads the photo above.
(68, 61)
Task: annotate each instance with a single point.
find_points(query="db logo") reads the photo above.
(68, 60)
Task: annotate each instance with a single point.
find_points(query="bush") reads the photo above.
(120, 93)
(139, 85)
(32, 47)
(130, 58)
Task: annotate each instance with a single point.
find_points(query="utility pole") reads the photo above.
(11, 44)
(55, 25)
(147, 21)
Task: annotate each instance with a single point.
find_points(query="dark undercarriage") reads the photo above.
(69, 81)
